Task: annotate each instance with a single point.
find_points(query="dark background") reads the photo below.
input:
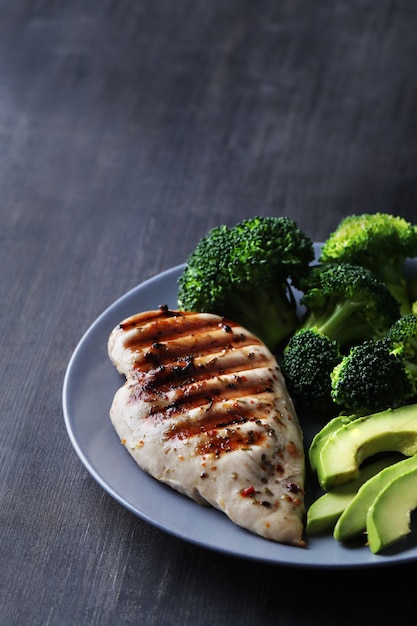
(127, 130)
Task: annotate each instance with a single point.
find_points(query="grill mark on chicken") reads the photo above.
(148, 316)
(212, 422)
(173, 370)
(216, 445)
(202, 343)
(217, 435)
(196, 391)
(236, 421)
(154, 330)
(193, 397)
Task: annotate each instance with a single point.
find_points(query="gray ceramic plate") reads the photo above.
(90, 383)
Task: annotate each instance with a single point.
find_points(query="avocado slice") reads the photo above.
(327, 431)
(343, 452)
(353, 520)
(388, 519)
(324, 512)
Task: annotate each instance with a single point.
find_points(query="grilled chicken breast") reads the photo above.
(205, 410)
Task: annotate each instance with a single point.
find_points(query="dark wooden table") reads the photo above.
(127, 130)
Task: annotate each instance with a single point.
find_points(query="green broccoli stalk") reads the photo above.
(348, 303)
(371, 378)
(307, 362)
(246, 272)
(381, 242)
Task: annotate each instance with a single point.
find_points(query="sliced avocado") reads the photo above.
(325, 511)
(388, 519)
(327, 431)
(352, 522)
(343, 452)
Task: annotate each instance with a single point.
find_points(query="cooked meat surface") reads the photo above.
(205, 410)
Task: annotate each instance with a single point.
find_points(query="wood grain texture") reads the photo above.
(127, 130)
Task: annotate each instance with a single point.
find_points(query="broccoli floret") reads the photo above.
(379, 374)
(246, 272)
(380, 242)
(200, 286)
(307, 362)
(401, 339)
(370, 378)
(348, 303)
